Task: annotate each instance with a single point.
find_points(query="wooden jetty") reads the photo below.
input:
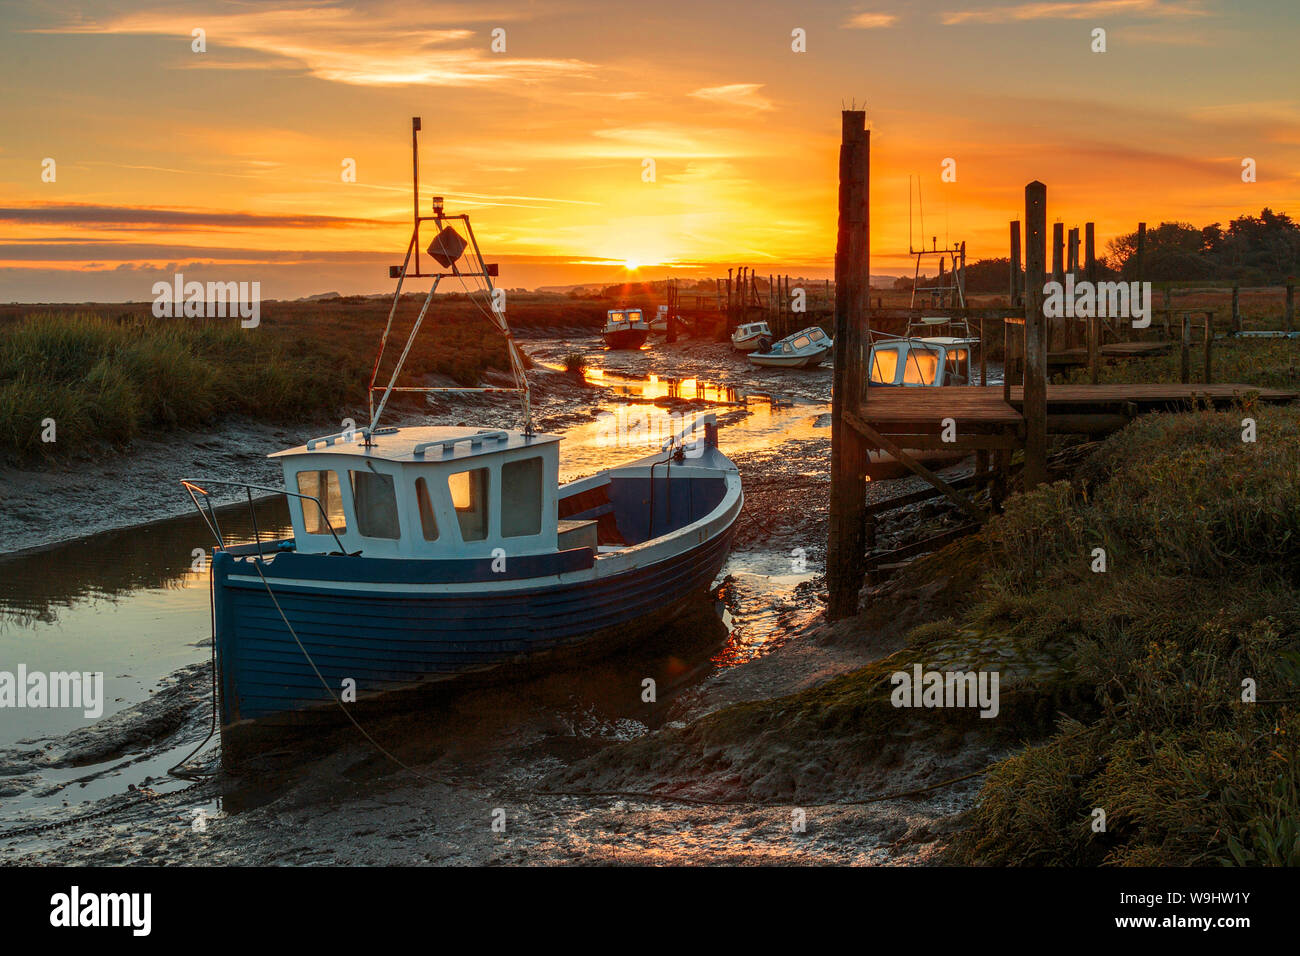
(991, 422)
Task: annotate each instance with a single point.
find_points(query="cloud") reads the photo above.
(366, 46)
(870, 21)
(135, 217)
(1078, 10)
(735, 94)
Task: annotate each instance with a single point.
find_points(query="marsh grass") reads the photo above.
(106, 376)
(1202, 591)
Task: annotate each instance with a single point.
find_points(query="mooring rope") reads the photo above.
(330, 691)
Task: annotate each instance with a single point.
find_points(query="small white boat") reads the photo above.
(806, 348)
(660, 322)
(751, 336)
(625, 329)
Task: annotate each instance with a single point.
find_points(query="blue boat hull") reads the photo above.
(389, 636)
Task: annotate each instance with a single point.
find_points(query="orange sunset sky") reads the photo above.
(226, 164)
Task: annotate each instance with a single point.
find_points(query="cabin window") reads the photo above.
(921, 367)
(469, 496)
(374, 500)
(801, 342)
(521, 497)
(324, 487)
(884, 366)
(428, 521)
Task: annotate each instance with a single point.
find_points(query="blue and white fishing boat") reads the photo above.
(424, 554)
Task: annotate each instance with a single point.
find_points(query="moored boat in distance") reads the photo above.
(625, 329)
(751, 336)
(803, 349)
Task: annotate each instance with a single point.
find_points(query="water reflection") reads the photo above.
(36, 585)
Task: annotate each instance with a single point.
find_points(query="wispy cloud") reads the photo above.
(735, 94)
(137, 217)
(368, 46)
(1077, 10)
(870, 21)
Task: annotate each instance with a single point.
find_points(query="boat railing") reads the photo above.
(446, 443)
(209, 515)
(678, 441)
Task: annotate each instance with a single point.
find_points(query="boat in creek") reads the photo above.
(625, 329)
(425, 554)
(803, 349)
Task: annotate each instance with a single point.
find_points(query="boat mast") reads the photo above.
(447, 249)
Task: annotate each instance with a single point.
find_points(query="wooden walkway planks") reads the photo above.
(969, 405)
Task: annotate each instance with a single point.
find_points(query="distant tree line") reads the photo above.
(1253, 250)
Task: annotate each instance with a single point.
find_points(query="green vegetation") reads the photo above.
(1264, 363)
(575, 363)
(1201, 533)
(109, 376)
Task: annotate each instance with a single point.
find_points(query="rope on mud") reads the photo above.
(700, 802)
(257, 565)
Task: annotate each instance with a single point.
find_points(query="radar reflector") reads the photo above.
(447, 247)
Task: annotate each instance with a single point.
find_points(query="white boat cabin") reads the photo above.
(929, 362)
(751, 330)
(616, 319)
(432, 492)
(803, 341)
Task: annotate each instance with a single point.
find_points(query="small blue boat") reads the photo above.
(425, 554)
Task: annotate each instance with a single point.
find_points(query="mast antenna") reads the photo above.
(458, 257)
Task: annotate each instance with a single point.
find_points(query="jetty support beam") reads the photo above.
(846, 547)
(1035, 407)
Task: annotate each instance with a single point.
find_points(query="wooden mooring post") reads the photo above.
(1236, 307)
(1016, 290)
(846, 546)
(1035, 403)
(1093, 322)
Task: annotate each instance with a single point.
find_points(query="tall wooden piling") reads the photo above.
(1236, 307)
(845, 550)
(1093, 322)
(1016, 291)
(1141, 250)
(1035, 400)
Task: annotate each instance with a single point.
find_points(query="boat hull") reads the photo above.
(789, 361)
(626, 338)
(390, 624)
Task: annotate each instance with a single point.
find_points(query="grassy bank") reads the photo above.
(1120, 690)
(108, 374)
(1201, 593)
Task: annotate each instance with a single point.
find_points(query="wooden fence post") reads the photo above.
(1185, 360)
(1236, 307)
(1035, 388)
